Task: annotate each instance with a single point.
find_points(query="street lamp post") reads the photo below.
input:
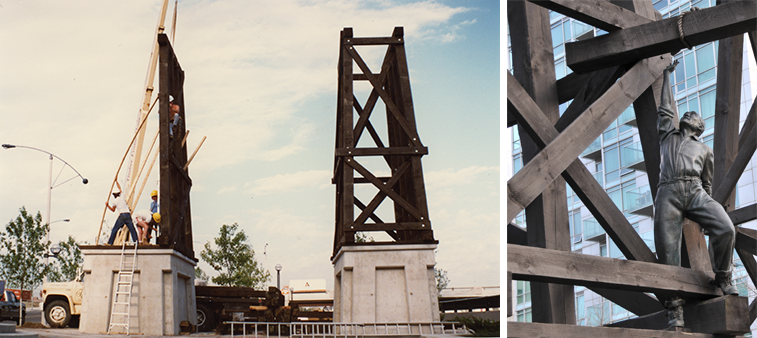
(50, 183)
(278, 276)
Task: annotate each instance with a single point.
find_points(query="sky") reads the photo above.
(260, 85)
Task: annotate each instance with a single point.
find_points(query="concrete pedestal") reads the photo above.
(163, 293)
(385, 284)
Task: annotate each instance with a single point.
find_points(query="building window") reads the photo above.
(517, 163)
(523, 293)
(516, 139)
(524, 315)
(694, 66)
(599, 314)
(580, 310)
(520, 220)
(574, 218)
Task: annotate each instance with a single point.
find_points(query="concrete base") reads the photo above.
(163, 293)
(385, 284)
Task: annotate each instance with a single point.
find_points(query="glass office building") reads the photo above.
(617, 162)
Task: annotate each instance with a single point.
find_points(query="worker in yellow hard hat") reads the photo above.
(145, 223)
(154, 204)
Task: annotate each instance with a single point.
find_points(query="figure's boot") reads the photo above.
(675, 312)
(725, 283)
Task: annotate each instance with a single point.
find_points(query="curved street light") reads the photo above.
(50, 184)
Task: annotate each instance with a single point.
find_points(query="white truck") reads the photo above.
(61, 302)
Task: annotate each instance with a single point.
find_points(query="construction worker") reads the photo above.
(154, 203)
(145, 222)
(173, 116)
(124, 216)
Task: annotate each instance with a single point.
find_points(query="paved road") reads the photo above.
(33, 316)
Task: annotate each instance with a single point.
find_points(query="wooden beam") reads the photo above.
(753, 42)
(660, 37)
(516, 235)
(751, 120)
(540, 330)
(746, 239)
(598, 13)
(646, 105)
(568, 87)
(743, 215)
(727, 184)
(638, 303)
(597, 84)
(547, 215)
(694, 249)
(509, 294)
(583, 183)
(727, 107)
(530, 181)
(750, 264)
(536, 264)
(722, 315)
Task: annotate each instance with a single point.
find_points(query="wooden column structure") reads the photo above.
(547, 215)
(400, 148)
(613, 71)
(176, 220)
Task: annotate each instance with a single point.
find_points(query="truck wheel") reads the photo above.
(204, 318)
(57, 314)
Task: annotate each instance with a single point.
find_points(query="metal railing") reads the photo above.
(302, 329)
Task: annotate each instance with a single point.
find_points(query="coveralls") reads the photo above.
(686, 169)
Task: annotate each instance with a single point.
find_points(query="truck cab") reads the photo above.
(62, 302)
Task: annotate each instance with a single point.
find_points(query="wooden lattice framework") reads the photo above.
(610, 73)
(175, 183)
(402, 151)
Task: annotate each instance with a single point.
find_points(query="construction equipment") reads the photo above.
(120, 311)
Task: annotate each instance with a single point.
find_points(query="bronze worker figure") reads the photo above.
(686, 169)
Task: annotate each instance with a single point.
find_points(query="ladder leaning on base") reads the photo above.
(120, 311)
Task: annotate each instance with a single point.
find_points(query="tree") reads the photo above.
(361, 237)
(199, 274)
(23, 243)
(68, 262)
(442, 281)
(235, 260)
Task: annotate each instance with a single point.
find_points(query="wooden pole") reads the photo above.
(195, 152)
(149, 81)
(144, 182)
(97, 238)
(133, 201)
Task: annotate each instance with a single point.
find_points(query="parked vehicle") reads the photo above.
(62, 302)
(9, 307)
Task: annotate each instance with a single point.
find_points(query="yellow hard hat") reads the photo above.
(154, 193)
(156, 217)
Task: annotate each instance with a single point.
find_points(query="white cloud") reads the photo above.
(449, 177)
(291, 182)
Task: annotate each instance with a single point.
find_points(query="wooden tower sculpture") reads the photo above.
(611, 72)
(402, 151)
(175, 183)
(382, 281)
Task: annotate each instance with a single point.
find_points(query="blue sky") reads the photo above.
(261, 85)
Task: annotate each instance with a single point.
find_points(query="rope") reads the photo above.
(680, 27)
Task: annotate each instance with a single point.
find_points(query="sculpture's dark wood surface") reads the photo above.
(400, 148)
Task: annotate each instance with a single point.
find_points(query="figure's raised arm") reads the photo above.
(665, 112)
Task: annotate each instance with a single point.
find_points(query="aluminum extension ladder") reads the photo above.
(120, 311)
